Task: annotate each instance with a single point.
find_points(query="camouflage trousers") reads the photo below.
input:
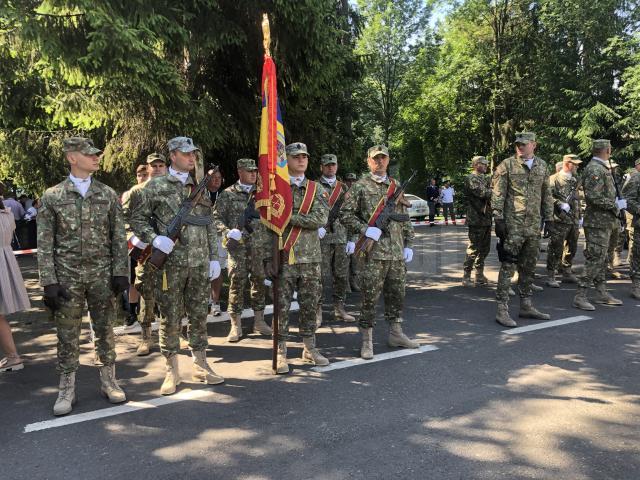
(563, 245)
(244, 268)
(187, 291)
(146, 284)
(527, 249)
(595, 254)
(100, 299)
(386, 277)
(616, 243)
(634, 253)
(335, 265)
(478, 247)
(303, 278)
(355, 267)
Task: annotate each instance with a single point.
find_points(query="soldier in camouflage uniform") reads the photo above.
(631, 193)
(565, 228)
(184, 281)
(478, 194)
(82, 257)
(383, 269)
(333, 241)
(145, 275)
(618, 235)
(520, 191)
(301, 266)
(600, 219)
(243, 238)
(354, 263)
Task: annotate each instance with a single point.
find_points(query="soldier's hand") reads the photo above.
(407, 254)
(55, 295)
(501, 228)
(234, 234)
(119, 284)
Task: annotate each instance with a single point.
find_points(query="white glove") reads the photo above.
(565, 207)
(214, 269)
(407, 254)
(373, 233)
(351, 248)
(322, 232)
(235, 234)
(580, 222)
(165, 244)
(267, 282)
(136, 242)
(621, 203)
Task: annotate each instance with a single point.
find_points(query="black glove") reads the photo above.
(119, 284)
(55, 295)
(501, 228)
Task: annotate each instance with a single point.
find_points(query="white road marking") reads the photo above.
(552, 323)
(118, 410)
(376, 358)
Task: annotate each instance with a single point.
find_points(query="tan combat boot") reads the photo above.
(552, 281)
(311, 354)
(502, 316)
(536, 288)
(568, 276)
(236, 328)
(466, 279)
(635, 289)
(481, 280)
(202, 372)
(319, 316)
(580, 300)
(282, 366)
(146, 342)
(512, 293)
(259, 325)
(527, 310)
(397, 338)
(340, 313)
(66, 394)
(109, 387)
(366, 351)
(603, 297)
(172, 376)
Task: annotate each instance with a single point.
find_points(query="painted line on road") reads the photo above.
(376, 358)
(118, 410)
(552, 323)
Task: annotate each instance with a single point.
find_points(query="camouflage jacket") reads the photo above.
(561, 187)
(339, 234)
(362, 200)
(478, 193)
(631, 192)
(519, 195)
(600, 195)
(228, 209)
(160, 200)
(130, 199)
(80, 238)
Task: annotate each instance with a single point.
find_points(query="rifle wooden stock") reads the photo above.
(140, 255)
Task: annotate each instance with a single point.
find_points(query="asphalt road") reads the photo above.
(554, 403)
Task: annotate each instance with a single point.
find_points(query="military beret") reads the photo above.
(80, 144)
(155, 157)
(328, 158)
(572, 158)
(184, 144)
(141, 168)
(351, 176)
(600, 144)
(479, 159)
(247, 164)
(377, 150)
(296, 148)
(525, 137)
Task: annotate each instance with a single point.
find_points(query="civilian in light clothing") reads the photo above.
(446, 198)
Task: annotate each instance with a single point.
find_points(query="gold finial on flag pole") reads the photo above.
(266, 35)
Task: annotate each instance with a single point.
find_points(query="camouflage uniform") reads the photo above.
(478, 195)
(618, 237)
(631, 192)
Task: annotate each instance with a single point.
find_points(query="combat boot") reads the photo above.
(109, 387)
(466, 279)
(512, 293)
(635, 289)
(366, 351)
(259, 325)
(319, 316)
(580, 300)
(340, 313)
(202, 372)
(551, 279)
(502, 316)
(603, 297)
(282, 366)
(145, 342)
(311, 354)
(397, 338)
(536, 288)
(481, 280)
(616, 261)
(172, 376)
(66, 394)
(568, 276)
(236, 328)
(527, 310)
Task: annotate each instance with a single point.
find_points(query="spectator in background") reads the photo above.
(446, 197)
(433, 197)
(18, 212)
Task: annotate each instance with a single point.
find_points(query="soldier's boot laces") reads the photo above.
(319, 316)
(397, 338)
(568, 276)
(109, 387)
(340, 313)
(146, 343)
(635, 289)
(172, 376)
(282, 366)
(527, 310)
(66, 394)
(366, 351)
(202, 372)
(466, 279)
(311, 354)
(481, 280)
(259, 325)
(603, 297)
(552, 281)
(236, 328)
(503, 317)
(581, 301)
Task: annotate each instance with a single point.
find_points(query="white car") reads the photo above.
(419, 209)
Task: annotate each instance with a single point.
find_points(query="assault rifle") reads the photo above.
(244, 220)
(621, 213)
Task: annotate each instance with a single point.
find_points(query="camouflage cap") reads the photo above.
(156, 157)
(572, 158)
(328, 158)
(80, 144)
(637, 162)
(600, 144)
(479, 159)
(248, 164)
(141, 168)
(296, 148)
(184, 144)
(377, 150)
(351, 176)
(525, 137)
